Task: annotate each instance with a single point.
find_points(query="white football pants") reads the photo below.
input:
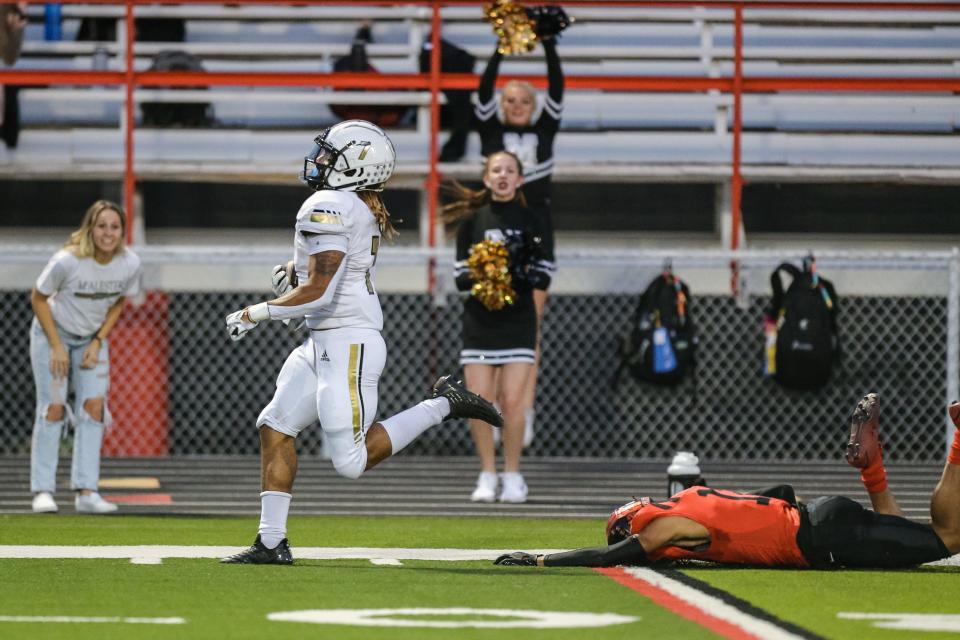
(333, 376)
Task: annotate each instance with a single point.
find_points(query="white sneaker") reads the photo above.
(486, 490)
(93, 503)
(514, 488)
(43, 502)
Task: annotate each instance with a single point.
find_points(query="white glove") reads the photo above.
(237, 327)
(279, 281)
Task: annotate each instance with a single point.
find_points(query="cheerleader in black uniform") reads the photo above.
(499, 346)
(532, 143)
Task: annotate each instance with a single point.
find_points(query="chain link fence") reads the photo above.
(180, 387)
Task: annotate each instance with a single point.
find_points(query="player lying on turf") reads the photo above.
(773, 529)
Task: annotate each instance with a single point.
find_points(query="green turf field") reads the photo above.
(210, 600)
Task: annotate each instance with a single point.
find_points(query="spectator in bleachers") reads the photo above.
(499, 331)
(532, 142)
(456, 115)
(13, 20)
(382, 115)
(76, 301)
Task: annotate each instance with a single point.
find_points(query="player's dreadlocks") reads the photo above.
(373, 201)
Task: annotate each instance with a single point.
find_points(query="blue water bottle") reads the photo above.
(52, 22)
(664, 359)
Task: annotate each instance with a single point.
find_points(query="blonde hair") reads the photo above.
(523, 85)
(379, 210)
(466, 201)
(81, 243)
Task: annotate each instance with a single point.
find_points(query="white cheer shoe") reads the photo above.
(93, 503)
(43, 502)
(514, 488)
(486, 490)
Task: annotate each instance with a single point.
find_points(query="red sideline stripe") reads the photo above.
(141, 498)
(678, 606)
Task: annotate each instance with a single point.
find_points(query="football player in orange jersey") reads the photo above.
(771, 528)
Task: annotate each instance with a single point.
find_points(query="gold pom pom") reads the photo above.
(489, 265)
(512, 26)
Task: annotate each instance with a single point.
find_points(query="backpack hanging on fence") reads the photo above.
(801, 326)
(182, 114)
(660, 345)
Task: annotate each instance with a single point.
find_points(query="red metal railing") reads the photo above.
(435, 81)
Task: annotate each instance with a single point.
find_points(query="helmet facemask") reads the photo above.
(618, 530)
(351, 156)
(619, 522)
(321, 160)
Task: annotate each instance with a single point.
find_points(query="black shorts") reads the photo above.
(837, 531)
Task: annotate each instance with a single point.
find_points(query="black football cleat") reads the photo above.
(465, 404)
(259, 554)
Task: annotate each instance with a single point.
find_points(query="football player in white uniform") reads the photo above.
(334, 374)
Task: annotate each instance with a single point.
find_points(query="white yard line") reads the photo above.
(713, 606)
(95, 619)
(154, 554)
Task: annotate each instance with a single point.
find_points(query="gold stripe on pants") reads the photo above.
(353, 383)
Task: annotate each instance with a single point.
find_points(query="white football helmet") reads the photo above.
(354, 155)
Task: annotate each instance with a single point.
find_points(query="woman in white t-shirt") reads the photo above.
(76, 301)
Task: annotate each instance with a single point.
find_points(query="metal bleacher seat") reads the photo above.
(620, 133)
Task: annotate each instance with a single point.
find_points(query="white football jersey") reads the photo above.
(82, 290)
(339, 220)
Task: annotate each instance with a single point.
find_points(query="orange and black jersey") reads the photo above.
(744, 529)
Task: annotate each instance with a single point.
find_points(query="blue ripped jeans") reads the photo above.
(88, 433)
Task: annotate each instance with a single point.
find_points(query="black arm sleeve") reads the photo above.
(489, 78)
(628, 551)
(554, 71)
(485, 110)
(460, 270)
